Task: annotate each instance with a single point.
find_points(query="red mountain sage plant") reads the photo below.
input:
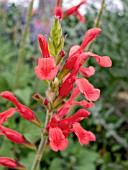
(63, 82)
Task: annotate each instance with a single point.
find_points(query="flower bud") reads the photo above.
(11, 163)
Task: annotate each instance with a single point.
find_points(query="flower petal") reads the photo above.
(46, 69)
(44, 46)
(87, 89)
(73, 54)
(67, 85)
(90, 71)
(80, 17)
(89, 36)
(103, 61)
(84, 136)
(79, 115)
(84, 103)
(5, 115)
(57, 139)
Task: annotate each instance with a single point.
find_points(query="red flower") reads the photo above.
(59, 129)
(75, 51)
(57, 139)
(25, 112)
(84, 136)
(46, 69)
(5, 115)
(11, 163)
(16, 137)
(87, 89)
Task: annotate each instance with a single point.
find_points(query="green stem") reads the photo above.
(97, 24)
(43, 143)
(21, 57)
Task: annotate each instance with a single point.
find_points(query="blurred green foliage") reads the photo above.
(109, 118)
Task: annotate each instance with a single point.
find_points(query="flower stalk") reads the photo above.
(21, 52)
(98, 21)
(43, 142)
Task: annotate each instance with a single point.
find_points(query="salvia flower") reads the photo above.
(46, 69)
(60, 128)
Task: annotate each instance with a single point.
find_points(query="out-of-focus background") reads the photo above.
(109, 117)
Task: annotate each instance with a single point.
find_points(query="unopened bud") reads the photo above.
(45, 102)
(62, 53)
(36, 96)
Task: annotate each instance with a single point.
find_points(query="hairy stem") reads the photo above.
(43, 143)
(21, 57)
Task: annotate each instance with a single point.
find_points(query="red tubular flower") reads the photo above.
(87, 89)
(5, 115)
(25, 112)
(75, 51)
(57, 139)
(16, 137)
(74, 9)
(84, 136)
(46, 69)
(11, 163)
(88, 72)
